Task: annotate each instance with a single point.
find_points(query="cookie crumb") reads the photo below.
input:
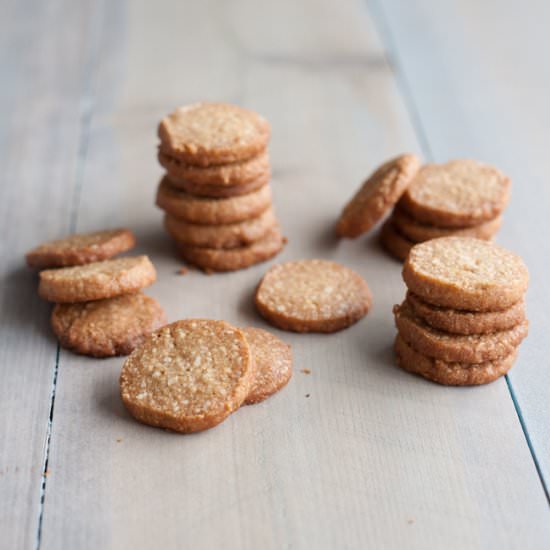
(306, 371)
(410, 521)
(183, 270)
(119, 439)
(308, 394)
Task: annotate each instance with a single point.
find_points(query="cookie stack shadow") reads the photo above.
(216, 191)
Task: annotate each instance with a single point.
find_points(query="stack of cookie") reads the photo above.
(99, 309)
(464, 314)
(216, 192)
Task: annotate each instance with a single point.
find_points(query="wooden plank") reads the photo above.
(373, 457)
(44, 54)
(480, 84)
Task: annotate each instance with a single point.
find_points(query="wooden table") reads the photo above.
(374, 457)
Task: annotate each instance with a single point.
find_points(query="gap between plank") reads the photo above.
(382, 24)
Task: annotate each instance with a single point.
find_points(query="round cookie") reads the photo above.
(219, 259)
(397, 245)
(377, 195)
(219, 191)
(79, 249)
(232, 235)
(209, 211)
(459, 193)
(188, 376)
(273, 359)
(467, 322)
(419, 232)
(451, 374)
(236, 173)
(205, 134)
(104, 328)
(97, 280)
(472, 348)
(312, 296)
(465, 273)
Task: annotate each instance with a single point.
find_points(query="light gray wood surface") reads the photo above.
(373, 457)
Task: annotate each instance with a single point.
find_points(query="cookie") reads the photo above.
(273, 359)
(465, 273)
(397, 245)
(451, 374)
(467, 322)
(231, 235)
(188, 376)
(236, 173)
(472, 348)
(219, 191)
(219, 259)
(378, 194)
(105, 328)
(419, 232)
(459, 193)
(312, 296)
(97, 280)
(209, 211)
(81, 249)
(206, 134)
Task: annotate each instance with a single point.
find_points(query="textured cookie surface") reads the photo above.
(273, 359)
(104, 328)
(219, 191)
(81, 249)
(219, 259)
(451, 373)
(231, 235)
(467, 322)
(473, 348)
(395, 243)
(312, 296)
(205, 134)
(465, 273)
(97, 280)
(377, 195)
(458, 193)
(188, 376)
(193, 209)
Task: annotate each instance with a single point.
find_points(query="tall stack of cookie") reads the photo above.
(215, 193)
(464, 314)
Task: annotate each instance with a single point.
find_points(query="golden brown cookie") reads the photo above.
(97, 280)
(273, 360)
(377, 195)
(451, 374)
(312, 296)
(459, 193)
(206, 134)
(418, 232)
(472, 348)
(219, 191)
(465, 273)
(81, 249)
(188, 376)
(397, 245)
(467, 322)
(219, 259)
(236, 173)
(231, 235)
(207, 211)
(104, 328)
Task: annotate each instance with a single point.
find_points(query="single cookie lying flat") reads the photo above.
(188, 376)
(397, 245)
(467, 322)
(231, 235)
(209, 211)
(456, 194)
(205, 134)
(97, 280)
(473, 348)
(378, 194)
(219, 259)
(312, 296)
(465, 273)
(450, 374)
(81, 249)
(219, 191)
(273, 360)
(104, 328)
